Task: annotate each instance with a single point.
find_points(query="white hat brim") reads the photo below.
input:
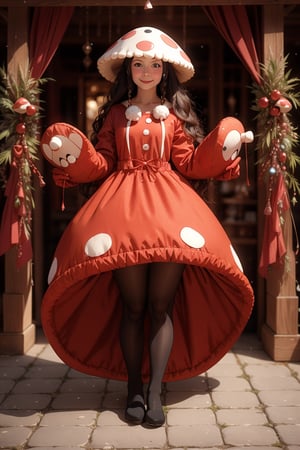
(145, 42)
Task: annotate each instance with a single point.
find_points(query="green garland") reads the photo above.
(274, 98)
(19, 137)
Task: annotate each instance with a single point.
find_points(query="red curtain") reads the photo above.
(47, 30)
(233, 24)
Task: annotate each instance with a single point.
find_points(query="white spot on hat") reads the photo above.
(98, 245)
(192, 237)
(236, 259)
(53, 270)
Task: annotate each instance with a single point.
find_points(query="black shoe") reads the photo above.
(154, 416)
(135, 410)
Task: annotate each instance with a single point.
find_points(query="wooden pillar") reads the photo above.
(18, 333)
(280, 330)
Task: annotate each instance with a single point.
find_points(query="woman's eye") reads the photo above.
(156, 65)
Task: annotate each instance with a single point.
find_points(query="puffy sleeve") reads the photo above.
(106, 145)
(217, 152)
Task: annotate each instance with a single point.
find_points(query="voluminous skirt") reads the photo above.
(137, 217)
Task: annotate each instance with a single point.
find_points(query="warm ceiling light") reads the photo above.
(148, 5)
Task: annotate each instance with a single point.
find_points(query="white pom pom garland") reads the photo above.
(134, 113)
(160, 112)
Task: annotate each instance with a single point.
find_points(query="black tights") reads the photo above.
(147, 287)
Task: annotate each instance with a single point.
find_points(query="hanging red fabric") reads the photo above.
(232, 22)
(47, 30)
(274, 247)
(48, 27)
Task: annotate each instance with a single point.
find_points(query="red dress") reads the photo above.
(145, 211)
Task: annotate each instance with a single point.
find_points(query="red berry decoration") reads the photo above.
(263, 102)
(274, 111)
(282, 157)
(30, 110)
(275, 95)
(20, 128)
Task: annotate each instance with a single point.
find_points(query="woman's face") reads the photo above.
(146, 72)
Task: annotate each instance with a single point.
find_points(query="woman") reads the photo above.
(145, 285)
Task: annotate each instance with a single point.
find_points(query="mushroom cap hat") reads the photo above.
(148, 42)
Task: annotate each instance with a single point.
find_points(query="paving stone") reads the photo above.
(187, 400)
(254, 357)
(267, 370)
(195, 384)
(280, 398)
(114, 400)
(249, 416)
(190, 417)
(194, 436)
(72, 418)
(53, 371)
(19, 419)
(26, 401)
(232, 384)
(284, 414)
(14, 436)
(235, 399)
(77, 401)
(60, 436)
(261, 447)
(6, 386)
(116, 386)
(15, 360)
(249, 435)
(229, 358)
(247, 341)
(72, 373)
(37, 386)
(57, 448)
(295, 367)
(111, 418)
(128, 437)
(289, 434)
(12, 372)
(48, 356)
(89, 384)
(47, 405)
(228, 370)
(275, 383)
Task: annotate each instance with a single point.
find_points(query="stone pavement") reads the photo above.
(245, 401)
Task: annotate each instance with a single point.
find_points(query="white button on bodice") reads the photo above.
(146, 146)
(146, 132)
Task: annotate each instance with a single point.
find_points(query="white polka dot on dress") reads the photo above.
(98, 245)
(192, 237)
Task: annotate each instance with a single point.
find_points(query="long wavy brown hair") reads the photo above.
(169, 89)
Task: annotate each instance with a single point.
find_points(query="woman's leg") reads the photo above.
(164, 279)
(132, 283)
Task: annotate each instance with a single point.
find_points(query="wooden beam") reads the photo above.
(280, 331)
(31, 3)
(18, 333)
